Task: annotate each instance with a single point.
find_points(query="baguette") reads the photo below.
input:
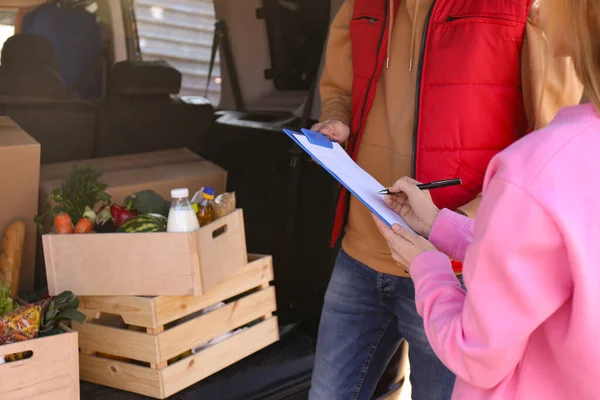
(12, 256)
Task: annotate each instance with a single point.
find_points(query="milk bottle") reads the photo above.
(182, 217)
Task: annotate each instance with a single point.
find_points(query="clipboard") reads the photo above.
(334, 159)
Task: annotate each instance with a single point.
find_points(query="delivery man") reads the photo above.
(432, 89)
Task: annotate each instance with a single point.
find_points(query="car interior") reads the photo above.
(74, 75)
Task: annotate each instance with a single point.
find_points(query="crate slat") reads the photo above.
(137, 311)
(121, 375)
(119, 342)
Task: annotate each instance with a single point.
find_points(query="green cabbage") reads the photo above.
(148, 202)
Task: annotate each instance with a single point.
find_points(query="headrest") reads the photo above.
(34, 82)
(144, 78)
(29, 50)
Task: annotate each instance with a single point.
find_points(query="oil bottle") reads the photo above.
(206, 210)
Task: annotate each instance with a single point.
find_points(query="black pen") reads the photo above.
(431, 185)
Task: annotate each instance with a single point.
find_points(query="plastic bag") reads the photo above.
(20, 325)
(224, 204)
(197, 197)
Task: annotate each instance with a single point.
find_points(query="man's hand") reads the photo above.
(335, 130)
(413, 204)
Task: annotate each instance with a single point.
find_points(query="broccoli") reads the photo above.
(148, 202)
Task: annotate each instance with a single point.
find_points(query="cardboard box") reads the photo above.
(141, 360)
(52, 373)
(146, 264)
(160, 171)
(120, 163)
(19, 179)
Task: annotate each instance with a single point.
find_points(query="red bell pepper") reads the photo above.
(120, 214)
(117, 213)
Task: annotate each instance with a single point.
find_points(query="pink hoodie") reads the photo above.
(528, 326)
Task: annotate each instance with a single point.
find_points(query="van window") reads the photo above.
(181, 33)
(7, 25)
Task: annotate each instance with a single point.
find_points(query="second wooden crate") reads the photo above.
(51, 373)
(138, 361)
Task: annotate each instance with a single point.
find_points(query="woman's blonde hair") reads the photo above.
(581, 22)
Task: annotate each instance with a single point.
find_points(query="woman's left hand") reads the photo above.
(404, 245)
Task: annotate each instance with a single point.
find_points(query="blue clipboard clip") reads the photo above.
(318, 139)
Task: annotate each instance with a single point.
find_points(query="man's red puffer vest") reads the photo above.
(469, 102)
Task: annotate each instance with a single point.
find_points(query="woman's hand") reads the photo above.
(404, 245)
(413, 204)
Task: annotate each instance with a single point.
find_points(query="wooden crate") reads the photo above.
(146, 264)
(250, 301)
(51, 373)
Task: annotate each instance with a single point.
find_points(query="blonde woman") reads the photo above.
(528, 325)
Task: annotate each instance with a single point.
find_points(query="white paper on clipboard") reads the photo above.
(358, 182)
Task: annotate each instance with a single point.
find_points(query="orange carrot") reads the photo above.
(84, 225)
(63, 223)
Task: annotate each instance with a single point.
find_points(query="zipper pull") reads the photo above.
(410, 65)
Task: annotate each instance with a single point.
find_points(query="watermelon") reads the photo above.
(144, 223)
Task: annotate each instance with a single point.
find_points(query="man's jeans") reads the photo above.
(365, 317)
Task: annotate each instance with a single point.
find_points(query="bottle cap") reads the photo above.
(180, 193)
(208, 193)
